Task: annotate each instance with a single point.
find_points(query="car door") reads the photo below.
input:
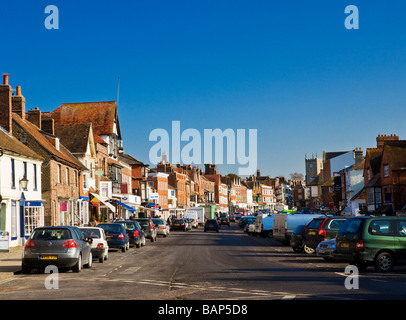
(82, 244)
(400, 240)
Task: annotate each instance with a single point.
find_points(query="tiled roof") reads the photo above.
(74, 136)
(397, 157)
(102, 115)
(12, 144)
(63, 154)
(374, 155)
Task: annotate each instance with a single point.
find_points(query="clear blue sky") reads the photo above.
(289, 69)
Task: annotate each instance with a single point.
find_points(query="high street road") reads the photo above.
(195, 265)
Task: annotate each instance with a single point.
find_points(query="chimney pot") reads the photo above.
(18, 90)
(5, 78)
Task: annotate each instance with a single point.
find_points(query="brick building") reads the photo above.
(61, 170)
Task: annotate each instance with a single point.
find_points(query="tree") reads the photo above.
(296, 176)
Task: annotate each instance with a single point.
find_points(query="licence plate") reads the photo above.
(109, 236)
(48, 257)
(322, 251)
(312, 233)
(177, 224)
(345, 245)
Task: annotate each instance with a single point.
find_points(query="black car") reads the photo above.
(296, 240)
(225, 220)
(116, 235)
(134, 232)
(321, 229)
(212, 225)
(178, 224)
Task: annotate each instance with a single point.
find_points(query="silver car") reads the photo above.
(161, 226)
(61, 246)
(100, 247)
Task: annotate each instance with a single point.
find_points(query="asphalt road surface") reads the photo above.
(195, 265)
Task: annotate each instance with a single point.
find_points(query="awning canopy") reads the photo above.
(103, 201)
(125, 206)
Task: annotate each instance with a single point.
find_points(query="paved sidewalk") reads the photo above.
(10, 262)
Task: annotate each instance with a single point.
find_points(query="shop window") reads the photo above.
(34, 218)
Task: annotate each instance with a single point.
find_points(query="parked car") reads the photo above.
(296, 239)
(244, 220)
(162, 227)
(225, 221)
(194, 223)
(232, 217)
(377, 241)
(62, 246)
(100, 247)
(116, 235)
(326, 249)
(320, 229)
(285, 223)
(188, 223)
(134, 231)
(212, 225)
(178, 224)
(148, 227)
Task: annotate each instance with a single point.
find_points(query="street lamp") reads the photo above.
(24, 183)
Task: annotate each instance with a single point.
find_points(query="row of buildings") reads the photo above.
(353, 183)
(68, 167)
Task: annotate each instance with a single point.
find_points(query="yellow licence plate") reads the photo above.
(312, 233)
(48, 257)
(109, 236)
(345, 245)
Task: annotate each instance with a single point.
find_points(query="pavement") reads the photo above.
(10, 263)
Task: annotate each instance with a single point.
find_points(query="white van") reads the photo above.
(264, 225)
(191, 214)
(284, 224)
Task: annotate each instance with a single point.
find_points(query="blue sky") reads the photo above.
(289, 69)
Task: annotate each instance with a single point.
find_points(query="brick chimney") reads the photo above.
(18, 102)
(48, 126)
(258, 173)
(383, 138)
(358, 155)
(34, 116)
(6, 104)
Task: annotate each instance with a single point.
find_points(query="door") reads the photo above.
(400, 240)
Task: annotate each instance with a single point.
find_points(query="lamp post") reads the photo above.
(23, 186)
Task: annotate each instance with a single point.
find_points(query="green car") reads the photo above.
(376, 241)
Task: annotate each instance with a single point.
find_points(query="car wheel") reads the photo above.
(101, 259)
(25, 269)
(308, 250)
(123, 249)
(384, 262)
(78, 266)
(90, 263)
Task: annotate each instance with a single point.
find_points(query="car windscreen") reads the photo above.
(315, 224)
(129, 226)
(111, 227)
(350, 226)
(143, 223)
(158, 221)
(91, 233)
(51, 234)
